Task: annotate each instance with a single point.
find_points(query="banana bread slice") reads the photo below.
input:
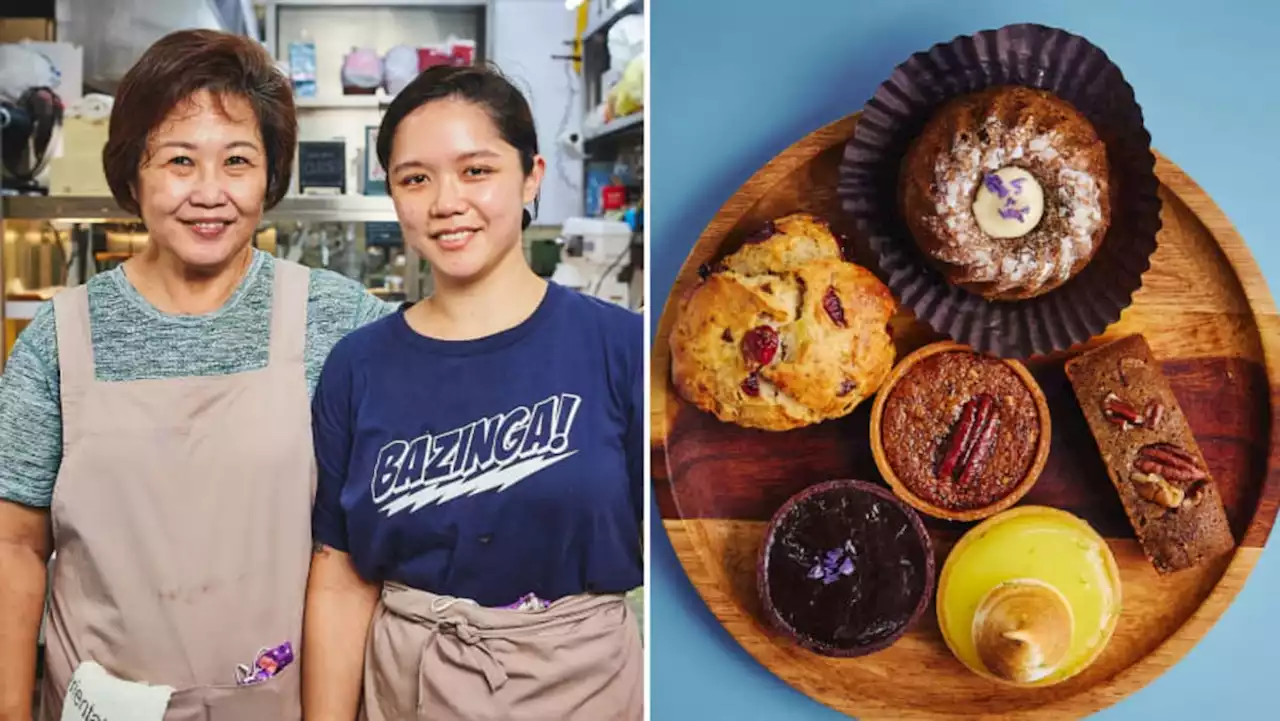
(1151, 456)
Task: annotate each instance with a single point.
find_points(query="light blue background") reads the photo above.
(736, 82)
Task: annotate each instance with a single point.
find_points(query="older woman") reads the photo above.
(154, 423)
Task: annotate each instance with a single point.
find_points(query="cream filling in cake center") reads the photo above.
(1009, 203)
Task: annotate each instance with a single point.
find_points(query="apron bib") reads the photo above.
(182, 526)
(440, 658)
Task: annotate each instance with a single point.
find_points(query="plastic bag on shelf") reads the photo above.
(399, 68)
(627, 97)
(22, 68)
(625, 41)
(361, 71)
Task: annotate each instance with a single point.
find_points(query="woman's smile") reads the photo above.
(454, 239)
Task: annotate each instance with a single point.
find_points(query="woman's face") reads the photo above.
(459, 189)
(203, 180)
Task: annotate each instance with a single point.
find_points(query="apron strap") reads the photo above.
(289, 312)
(75, 339)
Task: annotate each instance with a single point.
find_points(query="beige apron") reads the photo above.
(437, 658)
(182, 522)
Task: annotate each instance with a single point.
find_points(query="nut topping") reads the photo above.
(1169, 461)
(972, 440)
(1154, 488)
(1152, 415)
(1120, 412)
(1195, 494)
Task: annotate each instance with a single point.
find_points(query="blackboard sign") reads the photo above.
(382, 234)
(322, 165)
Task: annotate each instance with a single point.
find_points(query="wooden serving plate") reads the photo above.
(1204, 308)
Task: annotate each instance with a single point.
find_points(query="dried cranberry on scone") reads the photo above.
(783, 333)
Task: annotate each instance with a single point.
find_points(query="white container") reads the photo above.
(603, 241)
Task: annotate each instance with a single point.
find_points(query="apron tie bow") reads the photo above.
(470, 651)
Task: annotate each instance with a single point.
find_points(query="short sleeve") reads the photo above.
(369, 308)
(31, 415)
(331, 424)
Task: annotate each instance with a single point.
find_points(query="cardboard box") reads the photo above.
(14, 30)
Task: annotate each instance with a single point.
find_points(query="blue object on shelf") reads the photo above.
(302, 68)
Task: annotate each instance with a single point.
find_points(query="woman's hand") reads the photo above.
(340, 607)
(24, 555)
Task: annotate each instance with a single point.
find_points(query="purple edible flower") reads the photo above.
(833, 564)
(995, 185)
(1017, 185)
(1014, 213)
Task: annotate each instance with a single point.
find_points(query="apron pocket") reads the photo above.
(94, 693)
(276, 699)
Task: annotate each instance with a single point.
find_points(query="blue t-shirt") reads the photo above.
(490, 468)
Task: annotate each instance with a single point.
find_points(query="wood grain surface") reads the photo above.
(1205, 310)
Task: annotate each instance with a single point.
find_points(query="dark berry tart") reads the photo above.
(846, 568)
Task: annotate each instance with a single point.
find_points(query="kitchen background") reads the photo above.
(580, 62)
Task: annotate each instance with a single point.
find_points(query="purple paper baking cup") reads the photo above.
(1032, 56)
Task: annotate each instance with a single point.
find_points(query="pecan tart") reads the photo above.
(960, 435)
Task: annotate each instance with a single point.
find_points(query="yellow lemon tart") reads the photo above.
(1029, 597)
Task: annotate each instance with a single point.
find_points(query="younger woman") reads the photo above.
(481, 454)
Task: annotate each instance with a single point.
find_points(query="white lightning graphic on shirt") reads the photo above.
(498, 479)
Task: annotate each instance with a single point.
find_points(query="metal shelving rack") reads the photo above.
(595, 60)
(273, 6)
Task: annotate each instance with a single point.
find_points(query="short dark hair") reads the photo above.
(483, 85)
(179, 65)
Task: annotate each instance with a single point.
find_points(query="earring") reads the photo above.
(527, 220)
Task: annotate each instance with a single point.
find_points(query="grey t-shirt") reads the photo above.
(134, 341)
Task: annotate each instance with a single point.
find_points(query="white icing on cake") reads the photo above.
(1065, 233)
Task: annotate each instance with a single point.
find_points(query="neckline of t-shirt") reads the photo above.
(487, 344)
(132, 295)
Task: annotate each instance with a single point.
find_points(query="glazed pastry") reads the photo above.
(784, 332)
(960, 435)
(845, 568)
(1152, 458)
(1029, 597)
(1007, 192)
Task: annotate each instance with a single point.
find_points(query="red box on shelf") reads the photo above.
(431, 57)
(613, 197)
(463, 53)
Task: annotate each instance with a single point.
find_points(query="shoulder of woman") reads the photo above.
(619, 324)
(39, 340)
(337, 299)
